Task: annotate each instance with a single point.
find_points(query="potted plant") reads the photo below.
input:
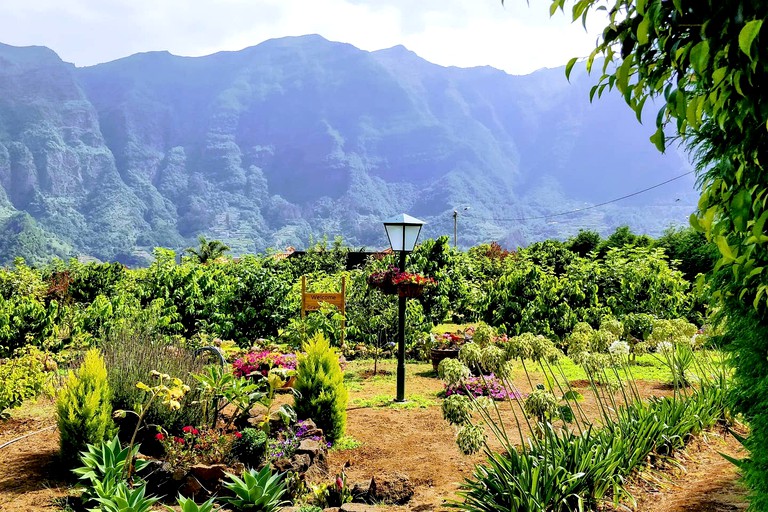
(405, 284)
(411, 285)
(445, 346)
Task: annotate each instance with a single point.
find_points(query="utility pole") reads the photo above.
(455, 227)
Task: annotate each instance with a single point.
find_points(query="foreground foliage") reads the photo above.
(706, 62)
(569, 461)
(84, 408)
(321, 393)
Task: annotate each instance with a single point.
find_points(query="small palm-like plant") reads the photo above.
(123, 498)
(189, 505)
(258, 491)
(104, 466)
(208, 250)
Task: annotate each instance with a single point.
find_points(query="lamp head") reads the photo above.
(403, 232)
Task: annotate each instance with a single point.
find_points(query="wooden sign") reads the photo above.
(312, 301)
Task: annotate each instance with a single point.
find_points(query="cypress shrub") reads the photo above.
(321, 395)
(83, 408)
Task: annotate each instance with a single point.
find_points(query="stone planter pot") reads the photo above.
(438, 354)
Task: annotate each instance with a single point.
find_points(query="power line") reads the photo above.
(590, 207)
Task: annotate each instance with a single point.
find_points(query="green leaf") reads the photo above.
(642, 30)
(622, 74)
(725, 249)
(748, 34)
(569, 67)
(694, 220)
(700, 57)
(757, 229)
(658, 139)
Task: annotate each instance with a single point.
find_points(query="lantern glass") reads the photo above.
(403, 232)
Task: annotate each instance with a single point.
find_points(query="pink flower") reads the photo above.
(339, 483)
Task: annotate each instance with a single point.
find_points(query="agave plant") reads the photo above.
(123, 498)
(258, 491)
(104, 467)
(189, 505)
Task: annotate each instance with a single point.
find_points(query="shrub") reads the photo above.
(22, 377)
(250, 447)
(321, 395)
(83, 407)
(132, 351)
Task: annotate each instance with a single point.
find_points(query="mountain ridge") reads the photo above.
(299, 137)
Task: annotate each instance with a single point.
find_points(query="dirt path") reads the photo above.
(707, 482)
(415, 442)
(29, 478)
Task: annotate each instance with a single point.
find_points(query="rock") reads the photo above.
(393, 489)
(283, 464)
(191, 487)
(356, 507)
(315, 432)
(360, 492)
(315, 474)
(209, 473)
(300, 462)
(315, 449)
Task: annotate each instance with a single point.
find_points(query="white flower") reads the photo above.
(665, 347)
(619, 348)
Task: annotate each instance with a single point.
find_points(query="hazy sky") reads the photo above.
(517, 38)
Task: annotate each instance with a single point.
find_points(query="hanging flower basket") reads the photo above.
(382, 281)
(405, 284)
(410, 290)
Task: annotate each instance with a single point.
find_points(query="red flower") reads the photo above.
(195, 431)
(159, 436)
(179, 440)
(238, 435)
(339, 483)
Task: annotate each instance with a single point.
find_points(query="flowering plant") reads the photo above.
(485, 385)
(448, 340)
(288, 440)
(409, 278)
(196, 446)
(388, 280)
(262, 362)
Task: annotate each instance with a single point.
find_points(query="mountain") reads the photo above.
(302, 137)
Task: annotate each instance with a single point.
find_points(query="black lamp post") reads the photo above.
(402, 231)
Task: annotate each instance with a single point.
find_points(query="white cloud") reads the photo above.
(516, 37)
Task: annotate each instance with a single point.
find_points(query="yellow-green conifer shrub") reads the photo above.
(83, 407)
(322, 395)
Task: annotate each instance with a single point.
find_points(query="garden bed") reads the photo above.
(414, 434)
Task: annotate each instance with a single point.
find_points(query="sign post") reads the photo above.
(312, 301)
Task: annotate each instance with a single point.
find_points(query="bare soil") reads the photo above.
(415, 442)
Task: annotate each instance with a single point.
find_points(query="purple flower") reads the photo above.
(488, 385)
